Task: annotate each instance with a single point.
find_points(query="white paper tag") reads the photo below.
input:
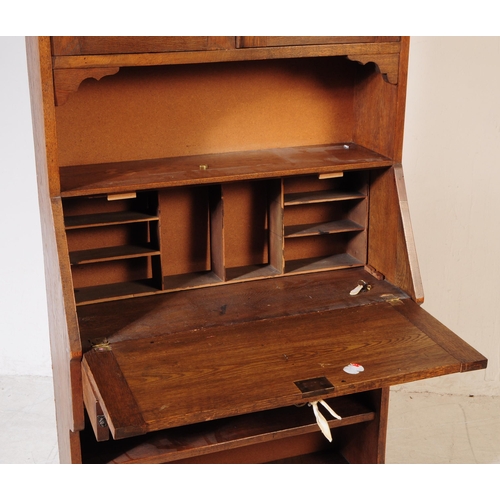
(356, 290)
(321, 420)
(353, 368)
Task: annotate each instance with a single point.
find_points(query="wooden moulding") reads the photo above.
(204, 56)
(68, 80)
(388, 64)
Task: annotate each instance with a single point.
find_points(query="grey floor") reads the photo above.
(423, 428)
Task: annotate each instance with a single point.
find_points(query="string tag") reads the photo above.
(362, 286)
(321, 420)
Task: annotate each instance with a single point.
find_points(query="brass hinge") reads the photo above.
(392, 299)
(100, 344)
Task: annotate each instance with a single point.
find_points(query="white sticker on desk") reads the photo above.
(353, 368)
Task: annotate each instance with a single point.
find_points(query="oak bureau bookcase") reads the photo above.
(226, 239)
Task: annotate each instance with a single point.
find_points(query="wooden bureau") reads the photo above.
(226, 230)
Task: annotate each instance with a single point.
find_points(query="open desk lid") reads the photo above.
(154, 383)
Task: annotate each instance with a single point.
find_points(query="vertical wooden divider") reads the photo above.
(160, 266)
(276, 226)
(156, 240)
(217, 247)
(358, 245)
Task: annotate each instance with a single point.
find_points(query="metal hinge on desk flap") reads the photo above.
(392, 299)
(100, 344)
(362, 286)
(314, 386)
(101, 420)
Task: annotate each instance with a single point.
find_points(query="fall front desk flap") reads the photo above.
(183, 377)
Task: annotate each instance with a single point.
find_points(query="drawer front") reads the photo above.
(96, 45)
(278, 41)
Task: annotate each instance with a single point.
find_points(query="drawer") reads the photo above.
(96, 45)
(279, 41)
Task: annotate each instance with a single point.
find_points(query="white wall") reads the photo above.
(24, 340)
(451, 162)
(452, 170)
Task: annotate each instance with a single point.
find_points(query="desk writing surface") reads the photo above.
(192, 376)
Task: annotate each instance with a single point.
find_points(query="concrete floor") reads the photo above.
(424, 428)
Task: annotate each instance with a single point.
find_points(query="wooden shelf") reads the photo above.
(340, 226)
(106, 219)
(109, 292)
(207, 278)
(190, 280)
(111, 253)
(321, 197)
(167, 313)
(338, 261)
(228, 434)
(245, 165)
(251, 272)
(319, 457)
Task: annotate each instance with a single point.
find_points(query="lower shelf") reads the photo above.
(111, 253)
(113, 291)
(320, 457)
(184, 443)
(108, 292)
(190, 280)
(340, 261)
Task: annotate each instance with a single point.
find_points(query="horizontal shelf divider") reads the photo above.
(340, 261)
(251, 272)
(323, 457)
(118, 177)
(230, 433)
(341, 226)
(321, 197)
(109, 292)
(204, 56)
(106, 219)
(190, 280)
(105, 254)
